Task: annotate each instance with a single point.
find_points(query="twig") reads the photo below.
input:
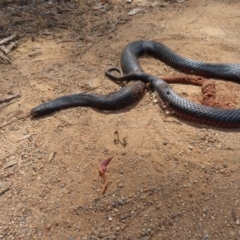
(117, 140)
(65, 41)
(3, 58)
(15, 120)
(4, 50)
(102, 171)
(234, 215)
(51, 157)
(9, 47)
(19, 163)
(197, 17)
(4, 191)
(7, 99)
(45, 33)
(25, 137)
(91, 89)
(115, 24)
(7, 39)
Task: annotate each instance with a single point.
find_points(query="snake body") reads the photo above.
(181, 107)
(173, 102)
(126, 96)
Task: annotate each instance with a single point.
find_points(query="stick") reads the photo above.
(65, 41)
(7, 39)
(197, 17)
(4, 191)
(7, 99)
(8, 123)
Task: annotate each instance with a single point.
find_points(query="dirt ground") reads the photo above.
(173, 179)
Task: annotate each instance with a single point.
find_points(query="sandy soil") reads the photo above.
(174, 179)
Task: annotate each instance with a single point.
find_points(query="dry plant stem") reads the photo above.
(123, 143)
(19, 164)
(9, 98)
(104, 187)
(4, 191)
(102, 170)
(15, 120)
(7, 39)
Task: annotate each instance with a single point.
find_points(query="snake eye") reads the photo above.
(168, 93)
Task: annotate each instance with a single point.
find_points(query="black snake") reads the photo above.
(172, 101)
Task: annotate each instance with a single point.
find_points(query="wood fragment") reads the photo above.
(197, 17)
(15, 120)
(10, 164)
(4, 50)
(4, 191)
(66, 41)
(7, 99)
(45, 33)
(51, 157)
(34, 54)
(9, 47)
(234, 215)
(7, 39)
(19, 163)
(125, 216)
(24, 137)
(4, 59)
(102, 171)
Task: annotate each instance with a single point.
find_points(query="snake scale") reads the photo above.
(170, 100)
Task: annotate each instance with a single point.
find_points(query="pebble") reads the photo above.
(225, 165)
(120, 185)
(164, 142)
(1, 184)
(134, 11)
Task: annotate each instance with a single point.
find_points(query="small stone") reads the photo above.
(134, 11)
(120, 185)
(158, 206)
(225, 165)
(164, 142)
(153, 5)
(1, 184)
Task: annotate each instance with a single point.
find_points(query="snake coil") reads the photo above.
(172, 101)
